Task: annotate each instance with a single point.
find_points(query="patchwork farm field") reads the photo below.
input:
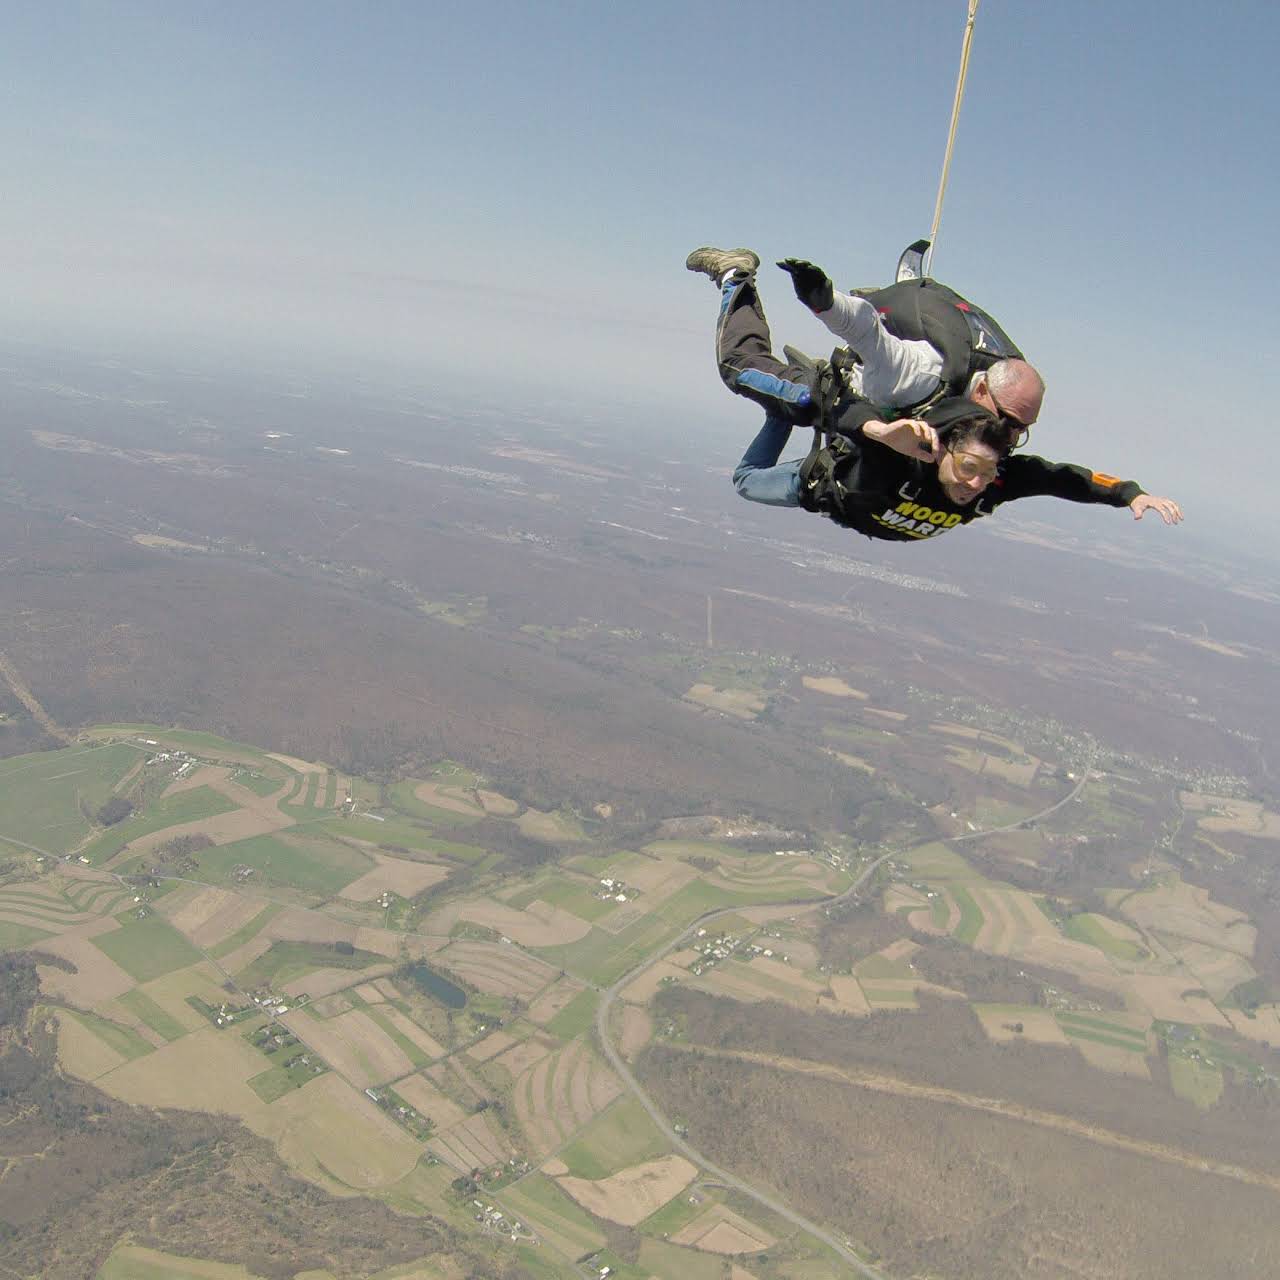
(320, 976)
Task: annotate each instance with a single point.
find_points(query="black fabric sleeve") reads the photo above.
(852, 414)
(1027, 476)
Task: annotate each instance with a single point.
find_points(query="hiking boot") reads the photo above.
(717, 263)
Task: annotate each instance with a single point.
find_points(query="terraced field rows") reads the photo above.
(559, 1094)
(473, 1144)
(497, 969)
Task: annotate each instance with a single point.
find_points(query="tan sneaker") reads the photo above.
(717, 263)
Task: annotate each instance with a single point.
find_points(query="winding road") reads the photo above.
(832, 1241)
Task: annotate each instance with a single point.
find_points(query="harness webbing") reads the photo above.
(951, 133)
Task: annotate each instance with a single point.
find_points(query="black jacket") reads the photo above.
(884, 494)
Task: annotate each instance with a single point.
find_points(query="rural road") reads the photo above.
(624, 1072)
(831, 1240)
(732, 1180)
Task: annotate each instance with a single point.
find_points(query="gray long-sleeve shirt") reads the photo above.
(895, 372)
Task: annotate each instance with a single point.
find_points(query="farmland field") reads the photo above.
(1110, 937)
(41, 794)
(1199, 1084)
(621, 1136)
(603, 957)
(133, 1262)
(565, 1227)
(145, 1009)
(170, 811)
(632, 1194)
(285, 961)
(148, 948)
(560, 1093)
(300, 862)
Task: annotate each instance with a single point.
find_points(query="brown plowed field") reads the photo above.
(98, 977)
(210, 915)
(295, 924)
(637, 1027)
(555, 998)
(438, 1107)
(324, 982)
(497, 969)
(633, 1194)
(720, 1230)
(493, 1044)
(353, 1044)
(642, 989)
(518, 1060)
(411, 1031)
(408, 879)
(471, 1144)
(539, 925)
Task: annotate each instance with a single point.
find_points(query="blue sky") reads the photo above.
(454, 188)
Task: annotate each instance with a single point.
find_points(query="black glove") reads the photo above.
(811, 284)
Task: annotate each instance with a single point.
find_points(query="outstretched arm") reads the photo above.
(1026, 476)
(1168, 510)
(895, 371)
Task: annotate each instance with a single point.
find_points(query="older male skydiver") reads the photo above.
(957, 350)
(896, 478)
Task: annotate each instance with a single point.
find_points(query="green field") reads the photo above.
(286, 961)
(673, 1215)
(701, 896)
(1082, 1027)
(659, 1258)
(124, 1040)
(938, 912)
(275, 1082)
(1198, 1084)
(42, 795)
(402, 799)
(261, 784)
(539, 1199)
(622, 1135)
(310, 863)
(602, 957)
(186, 806)
(575, 1017)
(878, 966)
(206, 744)
(130, 1262)
(14, 936)
(856, 737)
(571, 895)
(245, 932)
(990, 812)
(146, 1010)
(597, 864)
(409, 835)
(937, 862)
(970, 915)
(413, 1052)
(147, 948)
(1089, 928)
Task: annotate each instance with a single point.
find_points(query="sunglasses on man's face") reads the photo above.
(1022, 429)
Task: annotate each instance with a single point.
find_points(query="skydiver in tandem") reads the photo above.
(915, 422)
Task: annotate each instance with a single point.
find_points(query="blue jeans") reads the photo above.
(759, 477)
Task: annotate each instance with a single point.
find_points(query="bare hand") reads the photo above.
(1169, 510)
(910, 436)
